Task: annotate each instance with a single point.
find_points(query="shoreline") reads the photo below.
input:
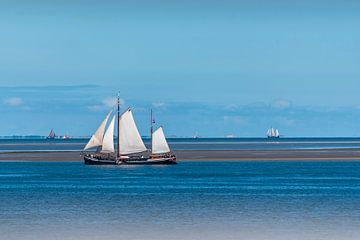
(202, 155)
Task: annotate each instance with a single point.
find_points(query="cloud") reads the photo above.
(281, 104)
(110, 102)
(159, 105)
(14, 101)
(232, 107)
(106, 104)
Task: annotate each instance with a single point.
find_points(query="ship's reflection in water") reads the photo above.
(193, 200)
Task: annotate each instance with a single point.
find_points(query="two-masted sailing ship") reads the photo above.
(130, 148)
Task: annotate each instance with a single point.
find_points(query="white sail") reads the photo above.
(108, 140)
(130, 139)
(272, 132)
(277, 134)
(268, 132)
(159, 143)
(96, 140)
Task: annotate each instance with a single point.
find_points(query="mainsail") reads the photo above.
(159, 143)
(108, 140)
(97, 139)
(129, 136)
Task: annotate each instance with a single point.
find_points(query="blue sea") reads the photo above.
(18, 145)
(276, 200)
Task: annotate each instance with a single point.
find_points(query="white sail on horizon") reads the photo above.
(277, 134)
(108, 140)
(159, 143)
(129, 136)
(96, 140)
(273, 132)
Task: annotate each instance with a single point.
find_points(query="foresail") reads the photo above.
(93, 142)
(108, 140)
(97, 139)
(159, 143)
(130, 139)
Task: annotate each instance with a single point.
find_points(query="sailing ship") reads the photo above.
(65, 137)
(130, 146)
(51, 135)
(273, 133)
(196, 136)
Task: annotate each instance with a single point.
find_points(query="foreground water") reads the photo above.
(192, 200)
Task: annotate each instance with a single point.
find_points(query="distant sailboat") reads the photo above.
(130, 146)
(230, 136)
(196, 136)
(51, 135)
(65, 137)
(273, 133)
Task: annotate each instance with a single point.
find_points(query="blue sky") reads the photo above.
(211, 67)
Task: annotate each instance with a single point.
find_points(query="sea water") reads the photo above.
(18, 145)
(191, 200)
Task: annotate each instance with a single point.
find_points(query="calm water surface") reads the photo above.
(192, 200)
(17, 145)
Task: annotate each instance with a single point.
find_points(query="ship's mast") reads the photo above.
(151, 127)
(118, 126)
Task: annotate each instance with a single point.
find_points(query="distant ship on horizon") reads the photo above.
(66, 137)
(230, 136)
(196, 136)
(51, 135)
(273, 133)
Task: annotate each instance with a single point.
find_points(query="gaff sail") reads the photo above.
(129, 136)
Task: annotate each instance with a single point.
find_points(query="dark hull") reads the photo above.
(164, 161)
(89, 160)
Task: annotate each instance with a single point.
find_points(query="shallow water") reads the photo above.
(192, 200)
(191, 144)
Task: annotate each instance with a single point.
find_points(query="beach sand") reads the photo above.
(203, 155)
